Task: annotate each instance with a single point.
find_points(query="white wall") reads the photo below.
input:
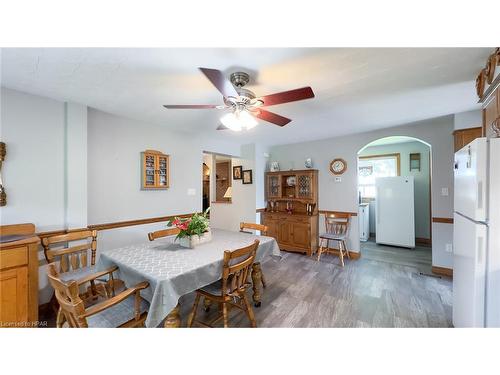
(33, 173)
(422, 181)
(469, 119)
(45, 168)
(342, 196)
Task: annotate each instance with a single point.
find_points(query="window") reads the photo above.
(371, 167)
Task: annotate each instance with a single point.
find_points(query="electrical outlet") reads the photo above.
(338, 179)
(191, 191)
(444, 192)
(449, 248)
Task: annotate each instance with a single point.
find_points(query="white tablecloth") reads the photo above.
(173, 271)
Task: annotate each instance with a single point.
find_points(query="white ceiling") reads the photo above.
(357, 89)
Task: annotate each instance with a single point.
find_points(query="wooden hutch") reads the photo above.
(292, 209)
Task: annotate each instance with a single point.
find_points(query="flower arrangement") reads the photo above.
(198, 224)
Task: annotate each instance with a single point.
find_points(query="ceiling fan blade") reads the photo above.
(272, 117)
(222, 127)
(196, 106)
(287, 96)
(225, 87)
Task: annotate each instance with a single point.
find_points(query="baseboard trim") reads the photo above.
(423, 241)
(443, 271)
(353, 254)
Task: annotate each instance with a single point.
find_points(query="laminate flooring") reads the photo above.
(420, 257)
(302, 292)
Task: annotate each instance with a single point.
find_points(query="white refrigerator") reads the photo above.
(476, 235)
(394, 211)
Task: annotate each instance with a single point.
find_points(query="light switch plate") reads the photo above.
(444, 192)
(191, 191)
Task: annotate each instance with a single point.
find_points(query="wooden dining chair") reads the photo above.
(263, 231)
(163, 233)
(230, 290)
(74, 264)
(126, 309)
(337, 229)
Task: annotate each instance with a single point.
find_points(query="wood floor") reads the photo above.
(420, 257)
(302, 292)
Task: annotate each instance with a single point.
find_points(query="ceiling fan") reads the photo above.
(243, 104)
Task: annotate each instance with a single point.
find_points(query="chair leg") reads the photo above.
(192, 315)
(249, 310)
(60, 318)
(224, 314)
(341, 253)
(320, 249)
(346, 251)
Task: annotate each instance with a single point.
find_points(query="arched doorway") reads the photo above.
(391, 229)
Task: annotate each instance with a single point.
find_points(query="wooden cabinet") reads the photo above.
(155, 170)
(294, 232)
(292, 213)
(465, 136)
(18, 276)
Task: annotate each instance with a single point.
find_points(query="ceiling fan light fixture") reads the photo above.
(238, 120)
(247, 120)
(230, 121)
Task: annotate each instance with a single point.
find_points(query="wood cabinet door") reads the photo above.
(301, 235)
(273, 186)
(272, 227)
(285, 232)
(305, 186)
(13, 295)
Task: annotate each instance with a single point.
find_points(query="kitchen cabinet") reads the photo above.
(463, 137)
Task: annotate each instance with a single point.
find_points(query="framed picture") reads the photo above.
(247, 176)
(237, 172)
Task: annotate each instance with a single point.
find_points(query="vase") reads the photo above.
(191, 242)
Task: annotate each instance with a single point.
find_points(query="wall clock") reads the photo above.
(338, 166)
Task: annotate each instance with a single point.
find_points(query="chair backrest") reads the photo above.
(71, 257)
(163, 233)
(67, 294)
(337, 223)
(260, 227)
(236, 268)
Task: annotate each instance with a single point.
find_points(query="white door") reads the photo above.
(469, 256)
(471, 180)
(395, 218)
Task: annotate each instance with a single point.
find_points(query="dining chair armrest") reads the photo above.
(114, 300)
(96, 275)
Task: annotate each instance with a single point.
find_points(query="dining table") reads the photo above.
(173, 271)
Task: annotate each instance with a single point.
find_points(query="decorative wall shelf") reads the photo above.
(155, 173)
